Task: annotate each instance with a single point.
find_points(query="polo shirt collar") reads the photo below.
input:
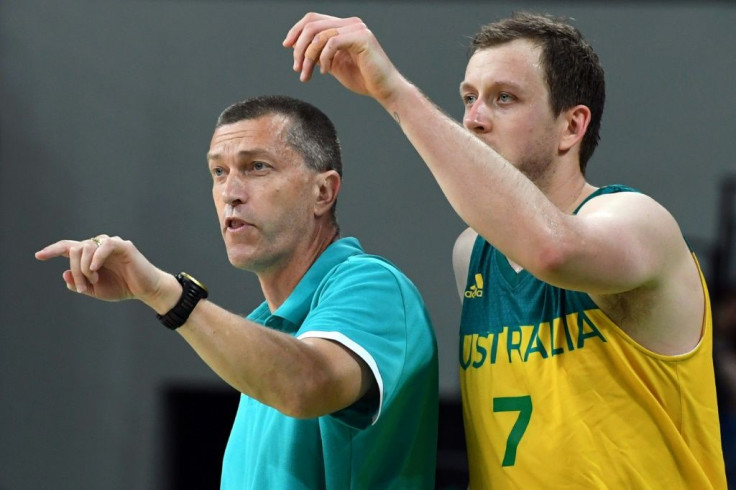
(296, 307)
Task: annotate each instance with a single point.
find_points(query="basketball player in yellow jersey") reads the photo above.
(586, 336)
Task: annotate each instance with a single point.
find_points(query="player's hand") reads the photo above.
(346, 49)
(107, 268)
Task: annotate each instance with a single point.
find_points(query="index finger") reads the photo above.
(294, 32)
(58, 249)
(308, 31)
(296, 29)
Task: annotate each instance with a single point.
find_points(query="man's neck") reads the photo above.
(566, 188)
(278, 284)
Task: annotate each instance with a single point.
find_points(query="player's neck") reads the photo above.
(566, 187)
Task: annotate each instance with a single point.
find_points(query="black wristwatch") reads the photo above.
(192, 292)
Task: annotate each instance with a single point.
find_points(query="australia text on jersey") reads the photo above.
(522, 343)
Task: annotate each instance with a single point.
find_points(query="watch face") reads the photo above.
(189, 278)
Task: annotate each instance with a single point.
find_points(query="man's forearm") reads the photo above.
(275, 368)
(485, 190)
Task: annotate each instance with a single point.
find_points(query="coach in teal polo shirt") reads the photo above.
(385, 441)
(338, 367)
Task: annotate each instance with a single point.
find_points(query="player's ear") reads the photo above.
(574, 122)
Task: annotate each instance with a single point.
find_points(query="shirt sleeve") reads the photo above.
(362, 306)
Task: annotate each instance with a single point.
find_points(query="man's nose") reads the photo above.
(234, 190)
(476, 118)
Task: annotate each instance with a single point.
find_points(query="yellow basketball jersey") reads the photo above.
(555, 395)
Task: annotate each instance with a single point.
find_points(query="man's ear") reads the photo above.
(576, 121)
(327, 187)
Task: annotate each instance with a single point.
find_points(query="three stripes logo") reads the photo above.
(476, 290)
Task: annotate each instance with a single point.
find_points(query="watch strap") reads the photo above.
(192, 292)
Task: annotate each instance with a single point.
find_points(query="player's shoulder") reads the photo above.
(630, 205)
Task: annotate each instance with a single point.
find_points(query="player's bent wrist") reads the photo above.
(391, 97)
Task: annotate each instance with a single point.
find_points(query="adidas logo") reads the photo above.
(476, 290)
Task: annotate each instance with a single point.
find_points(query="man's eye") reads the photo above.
(469, 99)
(217, 172)
(259, 166)
(504, 97)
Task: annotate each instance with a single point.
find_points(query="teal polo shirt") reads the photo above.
(366, 304)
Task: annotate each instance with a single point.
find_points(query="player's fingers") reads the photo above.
(313, 52)
(311, 30)
(293, 35)
(350, 36)
(301, 35)
(308, 46)
(315, 47)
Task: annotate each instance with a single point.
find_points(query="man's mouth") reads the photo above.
(235, 224)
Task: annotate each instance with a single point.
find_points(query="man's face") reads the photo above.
(507, 105)
(263, 191)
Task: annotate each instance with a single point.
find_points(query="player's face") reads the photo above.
(263, 192)
(507, 105)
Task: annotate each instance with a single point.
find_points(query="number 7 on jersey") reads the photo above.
(523, 405)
